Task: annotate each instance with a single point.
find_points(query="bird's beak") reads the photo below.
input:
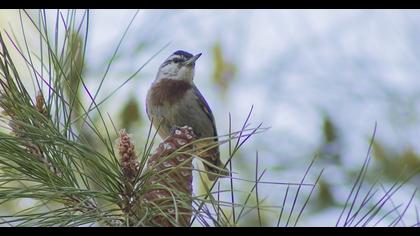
(192, 60)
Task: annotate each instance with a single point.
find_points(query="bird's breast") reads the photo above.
(168, 92)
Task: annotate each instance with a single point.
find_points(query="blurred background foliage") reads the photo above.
(320, 79)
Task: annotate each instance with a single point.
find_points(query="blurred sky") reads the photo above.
(358, 66)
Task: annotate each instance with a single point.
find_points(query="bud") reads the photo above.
(40, 104)
(129, 161)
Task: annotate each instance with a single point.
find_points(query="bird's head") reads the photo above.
(180, 66)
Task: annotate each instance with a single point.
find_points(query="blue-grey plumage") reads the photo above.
(174, 100)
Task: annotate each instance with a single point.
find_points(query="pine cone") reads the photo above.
(174, 173)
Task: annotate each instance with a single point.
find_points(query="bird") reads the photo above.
(173, 100)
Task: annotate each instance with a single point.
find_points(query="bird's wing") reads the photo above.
(203, 104)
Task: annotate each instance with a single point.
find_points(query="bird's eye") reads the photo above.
(177, 60)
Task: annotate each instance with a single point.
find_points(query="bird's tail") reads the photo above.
(215, 171)
(213, 165)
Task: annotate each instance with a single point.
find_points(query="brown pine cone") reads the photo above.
(173, 179)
